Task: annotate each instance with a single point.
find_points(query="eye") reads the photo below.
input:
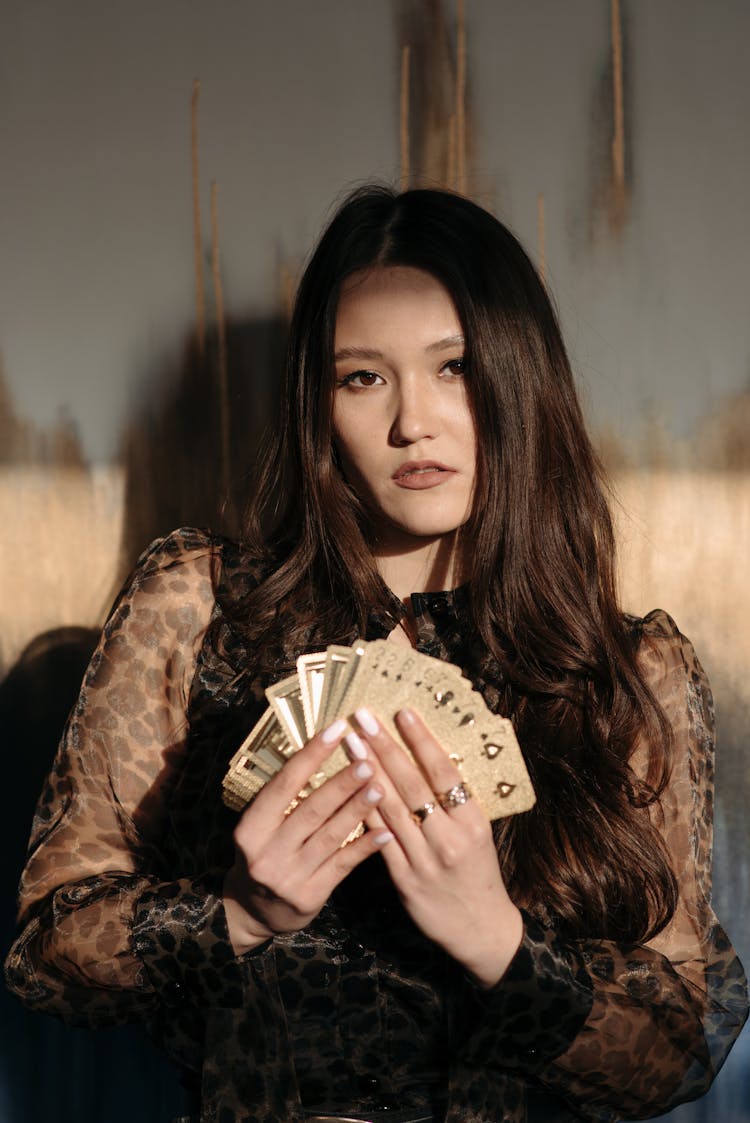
(454, 367)
(360, 379)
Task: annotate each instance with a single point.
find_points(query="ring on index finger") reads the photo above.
(422, 812)
(454, 797)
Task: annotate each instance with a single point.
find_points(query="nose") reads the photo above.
(415, 417)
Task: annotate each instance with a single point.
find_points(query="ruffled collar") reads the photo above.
(442, 621)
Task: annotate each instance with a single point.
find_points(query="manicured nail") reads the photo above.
(407, 716)
(334, 732)
(366, 720)
(363, 771)
(356, 746)
(372, 795)
(382, 838)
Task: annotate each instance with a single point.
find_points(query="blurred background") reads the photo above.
(166, 167)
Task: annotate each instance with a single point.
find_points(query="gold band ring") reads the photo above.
(454, 797)
(422, 812)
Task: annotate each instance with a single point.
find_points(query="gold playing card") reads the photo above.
(341, 664)
(285, 698)
(261, 755)
(312, 676)
(386, 678)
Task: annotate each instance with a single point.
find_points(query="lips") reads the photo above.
(418, 474)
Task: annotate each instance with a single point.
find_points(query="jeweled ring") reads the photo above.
(422, 812)
(454, 797)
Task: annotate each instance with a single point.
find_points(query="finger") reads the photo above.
(298, 843)
(404, 785)
(268, 808)
(441, 773)
(438, 768)
(318, 807)
(393, 852)
(414, 784)
(332, 811)
(339, 830)
(343, 860)
(442, 789)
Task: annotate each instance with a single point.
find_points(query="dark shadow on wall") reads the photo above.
(178, 453)
(50, 1071)
(188, 459)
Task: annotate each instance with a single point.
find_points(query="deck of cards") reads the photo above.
(385, 677)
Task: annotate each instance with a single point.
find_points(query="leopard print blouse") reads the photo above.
(122, 918)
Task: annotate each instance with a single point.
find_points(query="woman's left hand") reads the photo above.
(445, 867)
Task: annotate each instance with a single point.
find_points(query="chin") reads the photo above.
(427, 530)
(440, 524)
(425, 525)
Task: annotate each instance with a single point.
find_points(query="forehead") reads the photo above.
(391, 299)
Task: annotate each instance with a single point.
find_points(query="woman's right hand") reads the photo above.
(287, 865)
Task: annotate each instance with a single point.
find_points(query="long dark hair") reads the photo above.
(540, 571)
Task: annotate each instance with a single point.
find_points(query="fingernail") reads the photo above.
(366, 720)
(334, 732)
(363, 771)
(382, 838)
(372, 795)
(355, 745)
(407, 715)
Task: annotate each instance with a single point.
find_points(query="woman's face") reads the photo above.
(401, 419)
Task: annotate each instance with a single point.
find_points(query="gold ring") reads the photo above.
(454, 797)
(422, 812)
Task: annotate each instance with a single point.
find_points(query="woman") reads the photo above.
(561, 964)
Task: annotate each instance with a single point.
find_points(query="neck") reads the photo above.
(422, 567)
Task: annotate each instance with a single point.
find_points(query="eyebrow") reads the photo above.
(370, 353)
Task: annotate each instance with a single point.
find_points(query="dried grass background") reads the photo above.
(684, 540)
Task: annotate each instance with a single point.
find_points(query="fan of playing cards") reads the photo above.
(385, 677)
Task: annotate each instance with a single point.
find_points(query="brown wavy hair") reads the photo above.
(540, 571)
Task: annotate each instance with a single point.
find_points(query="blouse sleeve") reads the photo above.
(631, 1031)
(94, 913)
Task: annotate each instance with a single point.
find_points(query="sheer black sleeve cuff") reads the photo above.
(180, 934)
(533, 1014)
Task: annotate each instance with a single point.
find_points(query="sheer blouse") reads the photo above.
(122, 918)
